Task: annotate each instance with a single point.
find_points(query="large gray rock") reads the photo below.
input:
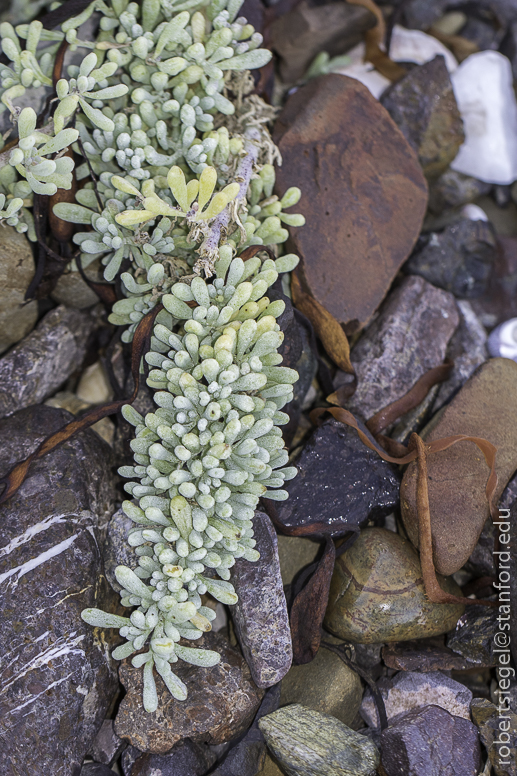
(106, 746)
(409, 337)
(260, 615)
(187, 759)
(34, 369)
(56, 680)
(116, 550)
(17, 317)
(431, 742)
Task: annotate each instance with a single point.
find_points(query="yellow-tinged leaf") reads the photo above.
(192, 190)
(231, 191)
(329, 331)
(132, 217)
(176, 181)
(123, 185)
(216, 206)
(159, 207)
(207, 183)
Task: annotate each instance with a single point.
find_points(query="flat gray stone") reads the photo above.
(116, 550)
(106, 746)
(38, 365)
(260, 615)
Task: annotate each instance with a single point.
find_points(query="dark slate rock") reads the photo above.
(35, 369)
(247, 757)
(420, 655)
(57, 680)
(340, 481)
(453, 189)
(260, 615)
(106, 746)
(423, 106)
(500, 742)
(510, 608)
(460, 259)
(221, 703)
(96, 769)
(473, 637)
(421, 14)
(128, 759)
(116, 551)
(431, 742)
(187, 759)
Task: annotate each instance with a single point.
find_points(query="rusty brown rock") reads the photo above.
(221, 704)
(363, 194)
(485, 407)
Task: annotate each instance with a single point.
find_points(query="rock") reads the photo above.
(68, 401)
(498, 732)
(270, 768)
(423, 656)
(340, 482)
(409, 337)
(187, 759)
(481, 560)
(73, 291)
(431, 742)
(503, 340)
(260, 615)
(57, 680)
(325, 684)
(410, 690)
(295, 553)
(17, 317)
(128, 759)
(450, 23)
(423, 106)
(96, 769)
(34, 369)
(507, 610)
(248, 755)
(467, 349)
(94, 387)
(473, 637)
(221, 703)
(420, 15)
(309, 743)
(483, 88)
(106, 746)
(324, 133)
(485, 407)
(116, 551)
(299, 35)
(377, 593)
(460, 259)
(453, 189)
(499, 304)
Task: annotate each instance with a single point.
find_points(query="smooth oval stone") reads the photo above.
(308, 743)
(485, 407)
(377, 593)
(325, 684)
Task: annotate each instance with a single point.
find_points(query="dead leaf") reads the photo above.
(461, 47)
(373, 39)
(329, 331)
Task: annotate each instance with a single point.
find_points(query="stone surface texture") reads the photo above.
(453, 189)
(17, 317)
(325, 684)
(431, 742)
(187, 759)
(260, 615)
(295, 553)
(409, 337)
(309, 743)
(460, 259)
(221, 702)
(339, 480)
(106, 746)
(358, 177)
(377, 593)
(35, 368)
(56, 679)
(423, 657)
(74, 292)
(485, 407)
(116, 551)
(473, 636)
(410, 690)
(487, 719)
(423, 106)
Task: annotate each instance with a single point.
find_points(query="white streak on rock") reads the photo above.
(37, 528)
(39, 560)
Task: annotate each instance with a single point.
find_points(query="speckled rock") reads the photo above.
(309, 743)
(460, 259)
(377, 593)
(221, 703)
(350, 253)
(497, 725)
(431, 742)
(106, 746)
(339, 482)
(423, 106)
(17, 317)
(186, 759)
(128, 759)
(56, 680)
(485, 407)
(116, 551)
(325, 684)
(410, 690)
(260, 615)
(35, 368)
(409, 337)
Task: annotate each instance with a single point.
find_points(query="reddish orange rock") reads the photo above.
(364, 195)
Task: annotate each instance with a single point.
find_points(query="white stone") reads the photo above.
(406, 46)
(483, 88)
(473, 213)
